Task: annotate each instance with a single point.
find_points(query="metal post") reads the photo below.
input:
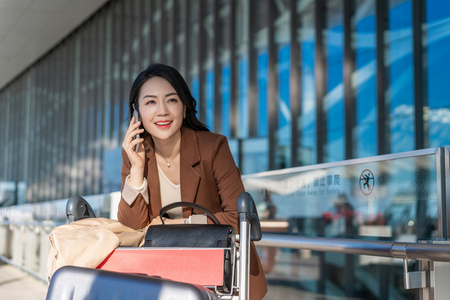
(439, 277)
(244, 240)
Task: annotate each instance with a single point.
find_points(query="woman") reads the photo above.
(177, 159)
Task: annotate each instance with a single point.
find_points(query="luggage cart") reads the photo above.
(202, 273)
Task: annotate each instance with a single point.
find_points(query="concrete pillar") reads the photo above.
(17, 244)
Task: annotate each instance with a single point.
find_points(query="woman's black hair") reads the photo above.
(178, 83)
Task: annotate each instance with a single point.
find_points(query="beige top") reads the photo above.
(170, 193)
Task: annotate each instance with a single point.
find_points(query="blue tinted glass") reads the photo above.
(255, 153)
(262, 77)
(437, 11)
(210, 100)
(438, 61)
(112, 159)
(226, 101)
(234, 148)
(308, 119)
(243, 99)
(400, 93)
(284, 117)
(334, 101)
(366, 92)
(366, 134)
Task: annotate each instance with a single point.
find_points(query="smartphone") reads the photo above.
(136, 119)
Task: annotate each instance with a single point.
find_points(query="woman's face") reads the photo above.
(161, 109)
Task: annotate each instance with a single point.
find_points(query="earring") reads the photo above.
(184, 115)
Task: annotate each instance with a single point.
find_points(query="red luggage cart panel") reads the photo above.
(197, 266)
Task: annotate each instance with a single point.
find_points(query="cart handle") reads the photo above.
(78, 208)
(247, 205)
(188, 204)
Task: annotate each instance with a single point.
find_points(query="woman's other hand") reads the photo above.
(137, 159)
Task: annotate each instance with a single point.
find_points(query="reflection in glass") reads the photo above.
(255, 158)
(334, 98)
(306, 150)
(260, 50)
(224, 47)
(207, 103)
(209, 95)
(193, 63)
(370, 193)
(437, 49)
(364, 36)
(262, 78)
(242, 96)
(226, 100)
(400, 93)
(195, 89)
(241, 67)
(369, 200)
(283, 133)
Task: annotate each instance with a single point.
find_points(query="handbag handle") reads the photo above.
(188, 204)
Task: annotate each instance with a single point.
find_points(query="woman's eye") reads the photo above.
(173, 100)
(150, 102)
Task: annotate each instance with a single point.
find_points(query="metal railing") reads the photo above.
(434, 271)
(417, 251)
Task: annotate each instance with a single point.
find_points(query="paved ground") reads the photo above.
(15, 284)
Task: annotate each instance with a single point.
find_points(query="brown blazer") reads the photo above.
(208, 177)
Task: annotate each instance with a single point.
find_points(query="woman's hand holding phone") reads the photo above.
(131, 141)
(137, 136)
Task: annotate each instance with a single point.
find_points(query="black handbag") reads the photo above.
(194, 235)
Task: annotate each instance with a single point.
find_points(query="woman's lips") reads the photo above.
(163, 124)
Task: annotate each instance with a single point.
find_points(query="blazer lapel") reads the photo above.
(190, 172)
(152, 177)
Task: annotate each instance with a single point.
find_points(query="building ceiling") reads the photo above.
(30, 28)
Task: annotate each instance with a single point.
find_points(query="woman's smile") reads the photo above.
(163, 124)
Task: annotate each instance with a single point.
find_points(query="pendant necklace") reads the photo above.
(167, 162)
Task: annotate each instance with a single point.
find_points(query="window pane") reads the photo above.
(334, 99)
(400, 93)
(282, 38)
(193, 54)
(209, 95)
(224, 47)
(307, 119)
(255, 155)
(366, 85)
(241, 66)
(208, 64)
(260, 50)
(438, 60)
(226, 100)
(262, 78)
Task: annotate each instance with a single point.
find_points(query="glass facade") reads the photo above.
(290, 83)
